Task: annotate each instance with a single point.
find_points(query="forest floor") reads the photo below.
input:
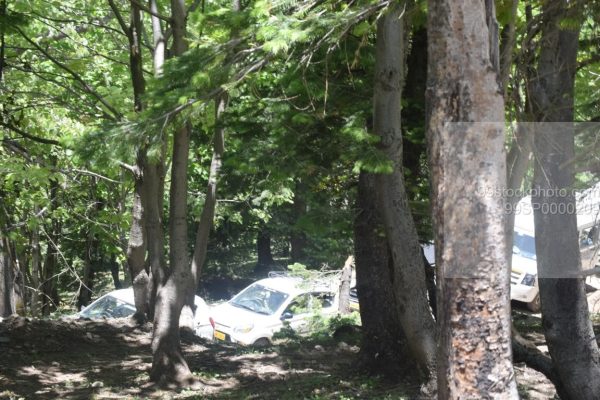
(49, 359)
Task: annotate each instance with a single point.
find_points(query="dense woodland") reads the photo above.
(173, 143)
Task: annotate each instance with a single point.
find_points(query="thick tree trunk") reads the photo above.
(383, 347)
(565, 316)
(168, 364)
(474, 350)
(409, 274)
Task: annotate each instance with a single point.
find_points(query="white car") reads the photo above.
(259, 311)
(120, 304)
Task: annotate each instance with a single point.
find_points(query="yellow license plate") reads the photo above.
(219, 335)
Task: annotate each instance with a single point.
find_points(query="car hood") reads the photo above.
(523, 264)
(232, 316)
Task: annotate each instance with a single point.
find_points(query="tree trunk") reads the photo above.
(168, 364)
(7, 304)
(155, 179)
(50, 298)
(86, 285)
(114, 272)
(565, 316)
(344, 290)
(474, 347)
(408, 273)
(263, 251)
(210, 202)
(136, 247)
(91, 252)
(298, 237)
(383, 348)
(36, 259)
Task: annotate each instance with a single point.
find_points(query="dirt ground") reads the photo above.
(41, 359)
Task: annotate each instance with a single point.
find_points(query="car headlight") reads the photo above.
(243, 328)
(528, 280)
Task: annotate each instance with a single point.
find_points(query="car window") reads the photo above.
(526, 244)
(259, 299)
(310, 302)
(300, 305)
(108, 307)
(588, 237)
(322, 300)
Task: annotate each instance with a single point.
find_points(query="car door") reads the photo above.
(296, 313)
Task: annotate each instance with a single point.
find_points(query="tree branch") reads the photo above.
(29, 136)
(117, 13)
(76, 76)
(149, 11)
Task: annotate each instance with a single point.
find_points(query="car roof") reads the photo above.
(127, 296)
(296, 285)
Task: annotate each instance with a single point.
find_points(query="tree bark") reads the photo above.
(298, 237)
(263, 251)
(85, 289)
(344, 290)
(36, 259)
(474, 346)
(383, 348)
(210, 202)
(7, 304)
(409, 274)
(136, 247)
(168, 364)
(50, 297)
(565, 318)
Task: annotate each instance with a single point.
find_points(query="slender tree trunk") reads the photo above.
(565, 318)
(114, 272)
(298, 237)
(210, 201)
(344, 289)
(263, 251)
(136, 247)
(50, 298)
(87, 284)
(474, 345)
(383, 347)
(409, 274)
(91, 251)
(36, 259)
(7, 304)
(155, 175)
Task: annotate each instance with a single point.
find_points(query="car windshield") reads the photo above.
(525, 244)
(108, 307)
(259, 299)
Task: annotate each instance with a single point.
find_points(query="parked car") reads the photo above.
(524, 285)
(261, 309)
(120, 304)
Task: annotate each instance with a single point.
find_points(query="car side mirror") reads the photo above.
(516, 250)
(286, 315)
